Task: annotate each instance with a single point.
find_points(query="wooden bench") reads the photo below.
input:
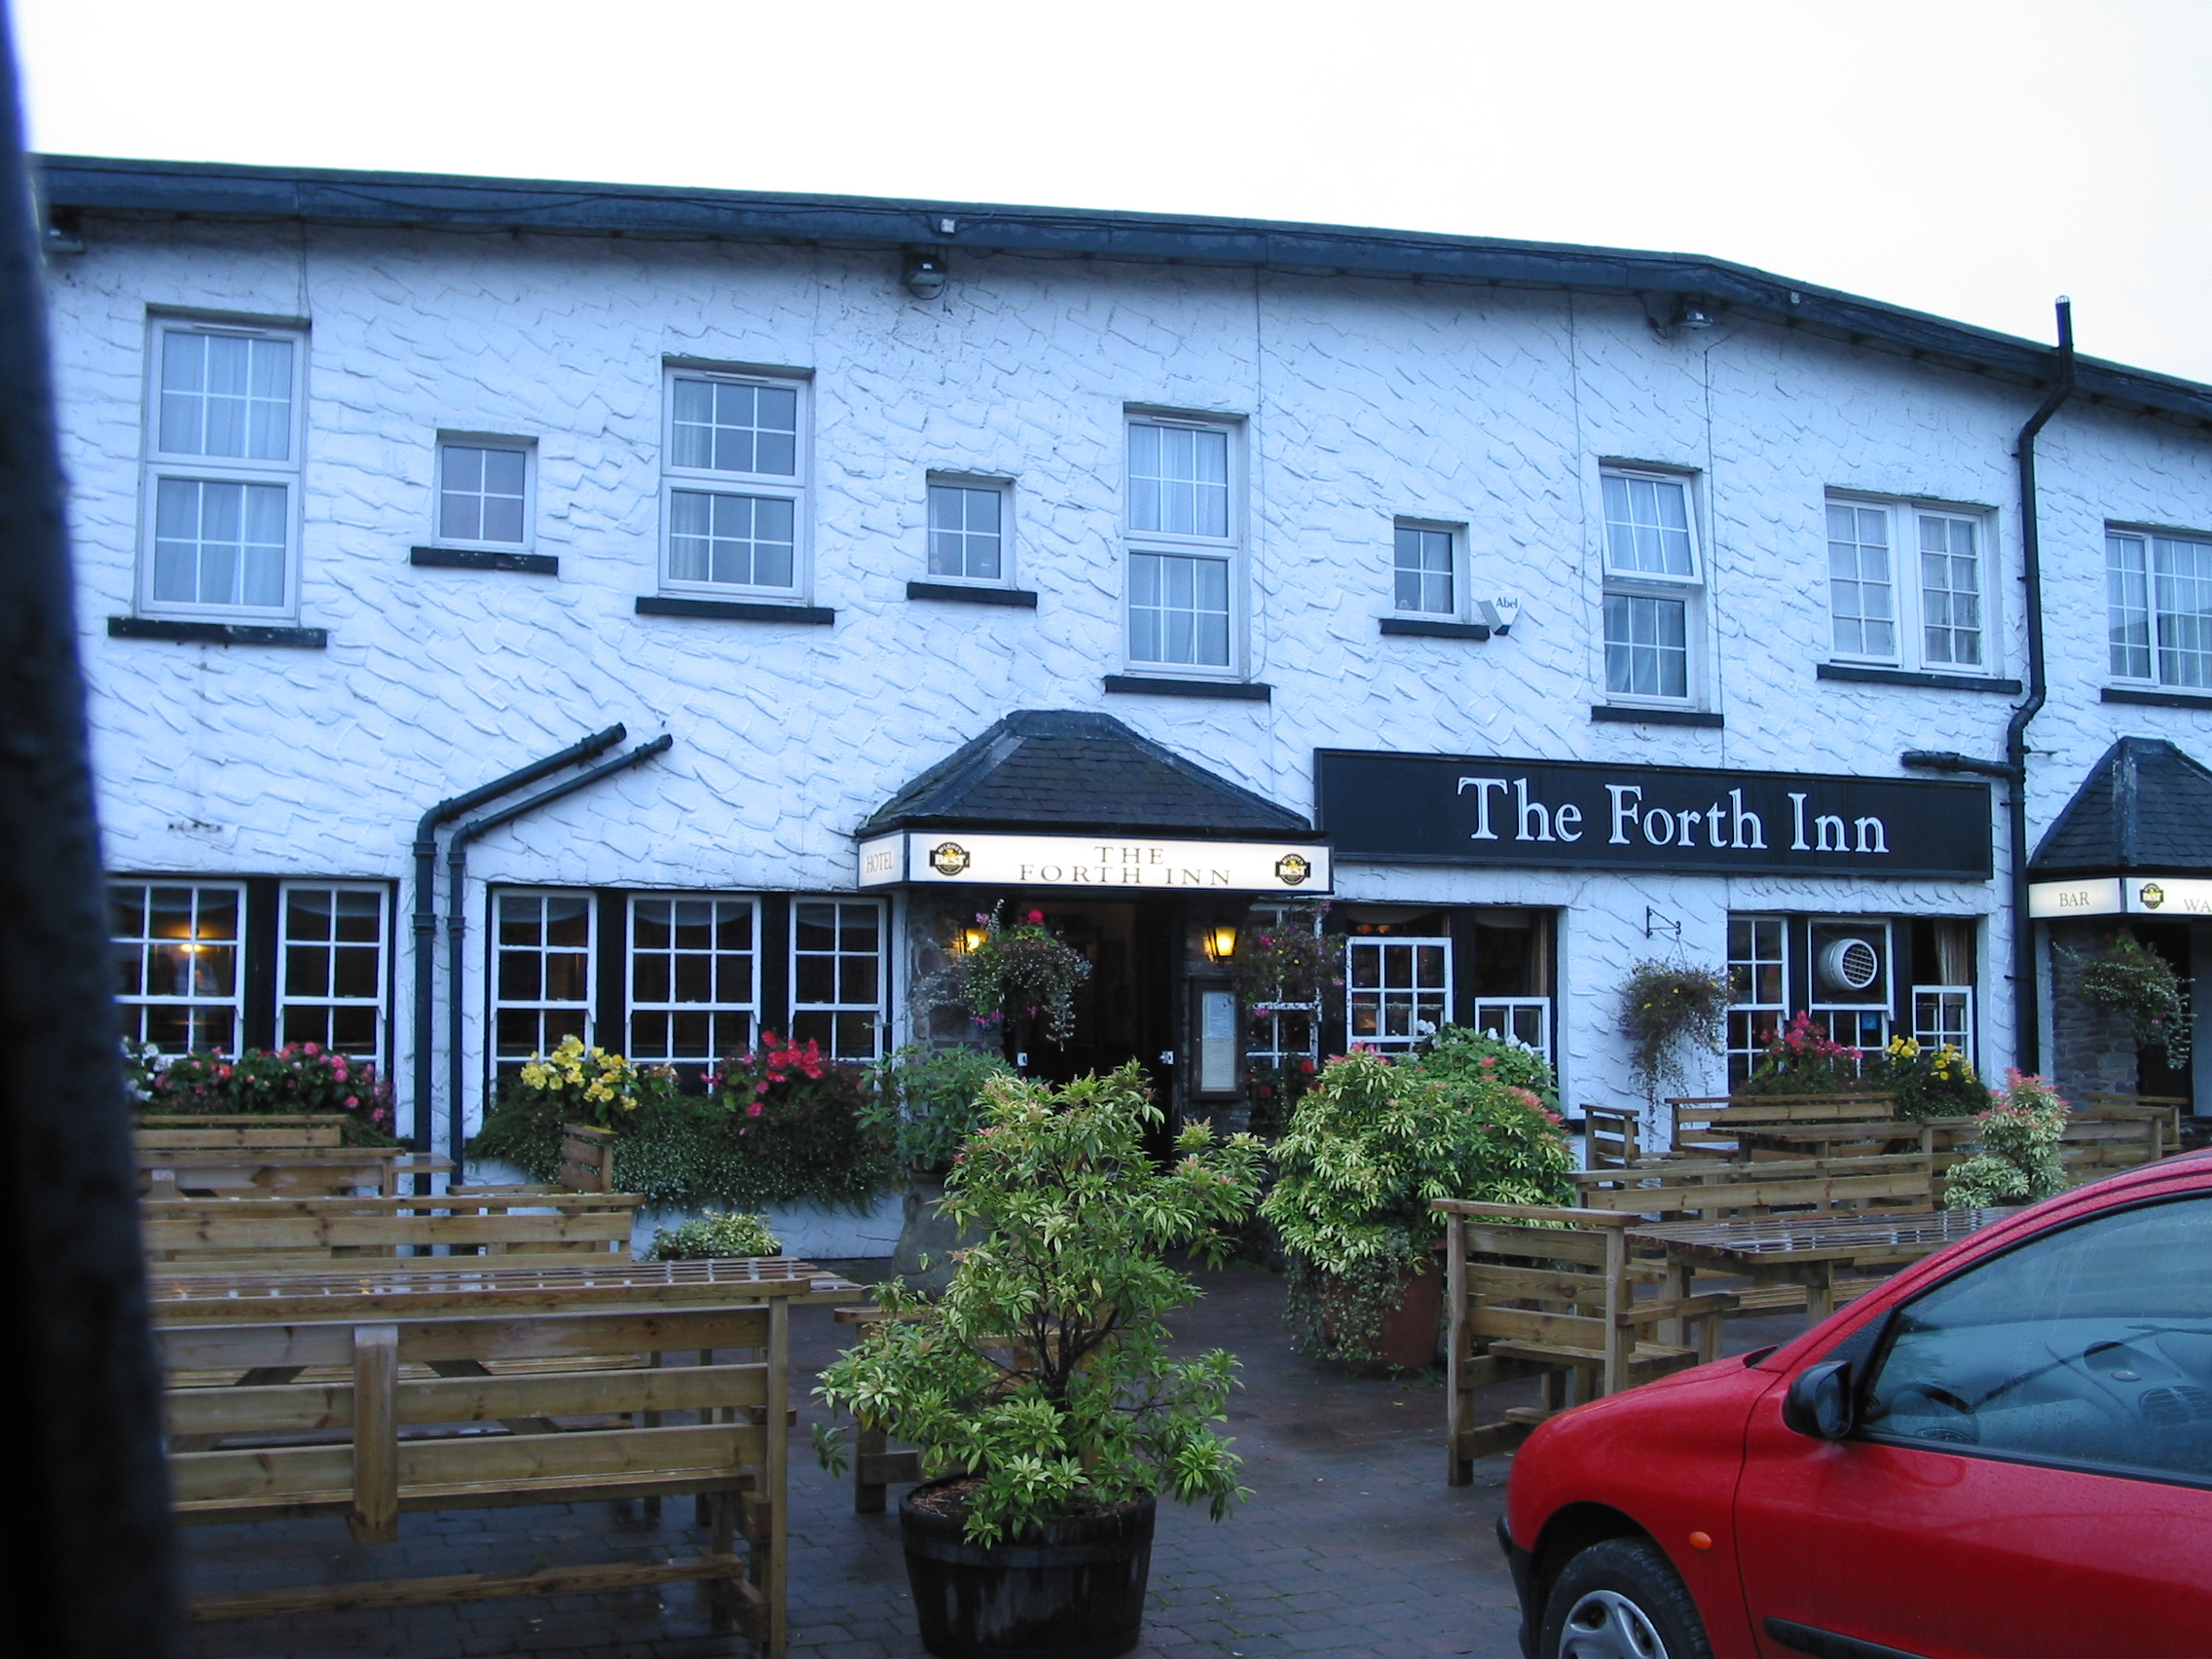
(1699, 1125)
(237, 1131)
(1557, 1301)
(2170, 1107)
(253, 1154)
(2115, 1138)
(182, 1235)
(1715, 1189)
(307, 1420)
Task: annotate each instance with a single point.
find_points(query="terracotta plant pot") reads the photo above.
(1408, 1339)
(1071, 1589)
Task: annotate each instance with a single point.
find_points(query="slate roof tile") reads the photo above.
(2144, 806)
(1064, 771)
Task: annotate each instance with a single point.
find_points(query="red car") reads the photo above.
(2003, 1452)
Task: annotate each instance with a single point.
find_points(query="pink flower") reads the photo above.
(1037, 917)
(351, 1102)
(314, 1048)
(755, 1110)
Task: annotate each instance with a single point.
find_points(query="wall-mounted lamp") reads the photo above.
(924, 273)
(1221, 941)
(969, 939)
(1669, 314)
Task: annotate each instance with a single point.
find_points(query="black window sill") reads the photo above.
(731, 611)
(953, 593)
(1229, 690)
(1616, 714)
(217, 633)
(2155, 699)
(1435, 630)
(484, 559)
(1908, 677)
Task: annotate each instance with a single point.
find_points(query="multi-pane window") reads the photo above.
(2158, 596)
(968, 531)
(1758, 990)
(1860, 599)
(735, 465)
(837, 976)
(223, 463)
(541, 980)
(1423, 558)
(1651, 585)
(483, 493)
(1396, 990)
(1182, 601)
(1950, 590)
(1179, 609)
(1879, 613)
(694, 979)
(176, 951)
(330, 977)
(1944, 1013)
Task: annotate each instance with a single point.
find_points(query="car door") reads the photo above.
(2029, 1474)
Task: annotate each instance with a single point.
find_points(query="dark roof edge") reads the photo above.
(222, 190)
(938, 823)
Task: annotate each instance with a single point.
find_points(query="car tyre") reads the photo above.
(1622, 1599)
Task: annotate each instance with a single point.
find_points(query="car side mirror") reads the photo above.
(1820, 1402)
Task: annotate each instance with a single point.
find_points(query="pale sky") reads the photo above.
(1971, 157)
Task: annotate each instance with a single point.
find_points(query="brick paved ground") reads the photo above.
(1351, 1543)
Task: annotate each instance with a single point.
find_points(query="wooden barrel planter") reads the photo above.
(1067, 1589)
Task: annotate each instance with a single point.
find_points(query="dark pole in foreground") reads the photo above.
(91, 1573)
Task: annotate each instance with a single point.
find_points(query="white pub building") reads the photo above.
(515, 608)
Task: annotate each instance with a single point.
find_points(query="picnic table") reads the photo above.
(417, 1286)
(1822, 1140)
(1803, 1249)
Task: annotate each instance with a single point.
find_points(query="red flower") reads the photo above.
(755, 1110)
(1305, 1066)
(1037, 918)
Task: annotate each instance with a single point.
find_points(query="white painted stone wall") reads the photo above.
(1364, 399)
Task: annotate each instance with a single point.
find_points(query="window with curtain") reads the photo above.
(2158, 605)
(177, 949)
(222, 471)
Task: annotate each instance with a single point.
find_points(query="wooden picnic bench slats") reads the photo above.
(734, 1458)
(237, 1131)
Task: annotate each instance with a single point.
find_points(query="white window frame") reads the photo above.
(379, 1003)
(760, 485)
(880, 1007)
(494, 1004)
(1930, 1033)
(632, 1005)
(133, 1005)
(526, 448)
(1751, 1049)
(160, 465)
(1504, 1017)
(1003, 488)
(2144, 536)
(1382, 945)
(1689, 591)
(1908, 593)
(1455, 536)
(1229, 548)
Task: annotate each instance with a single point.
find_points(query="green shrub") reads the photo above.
(1369, 1145)
(715, 1233)
(928, 1102)
(1044, 1370)
(2016, 1161)
(1459, 1053)
(781, 1124)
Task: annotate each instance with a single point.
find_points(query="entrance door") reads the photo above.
(2172, 941)
(1124, 1009)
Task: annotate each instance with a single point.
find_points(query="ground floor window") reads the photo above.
(177, 949)
(837, 976)
(542, 973)
(330, 986)
(1857, 978)
(1409, 970)
(694, 979)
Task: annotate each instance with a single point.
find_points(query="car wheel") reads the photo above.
(1622, 1600)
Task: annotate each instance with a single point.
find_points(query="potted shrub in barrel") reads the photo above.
(1368, 1147)
(1039, 1386)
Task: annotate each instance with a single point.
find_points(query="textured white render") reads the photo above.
(1364, 399)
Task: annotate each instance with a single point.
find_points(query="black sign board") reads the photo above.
(1466, 809)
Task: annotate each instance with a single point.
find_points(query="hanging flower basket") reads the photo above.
(1017, 968)
(2129, 979)
(1666, 1007)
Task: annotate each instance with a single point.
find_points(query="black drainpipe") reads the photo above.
(2027, 1016)
(457, 872)
(426, 902)
(2027, 1004)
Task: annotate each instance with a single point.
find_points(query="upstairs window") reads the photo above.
(1652, 590)
(222, 471)
(2158, 600)
(968, 531)
(483, 493)
(1183, 551)
(1907, 586)
(1426, 577)
(734, 485)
